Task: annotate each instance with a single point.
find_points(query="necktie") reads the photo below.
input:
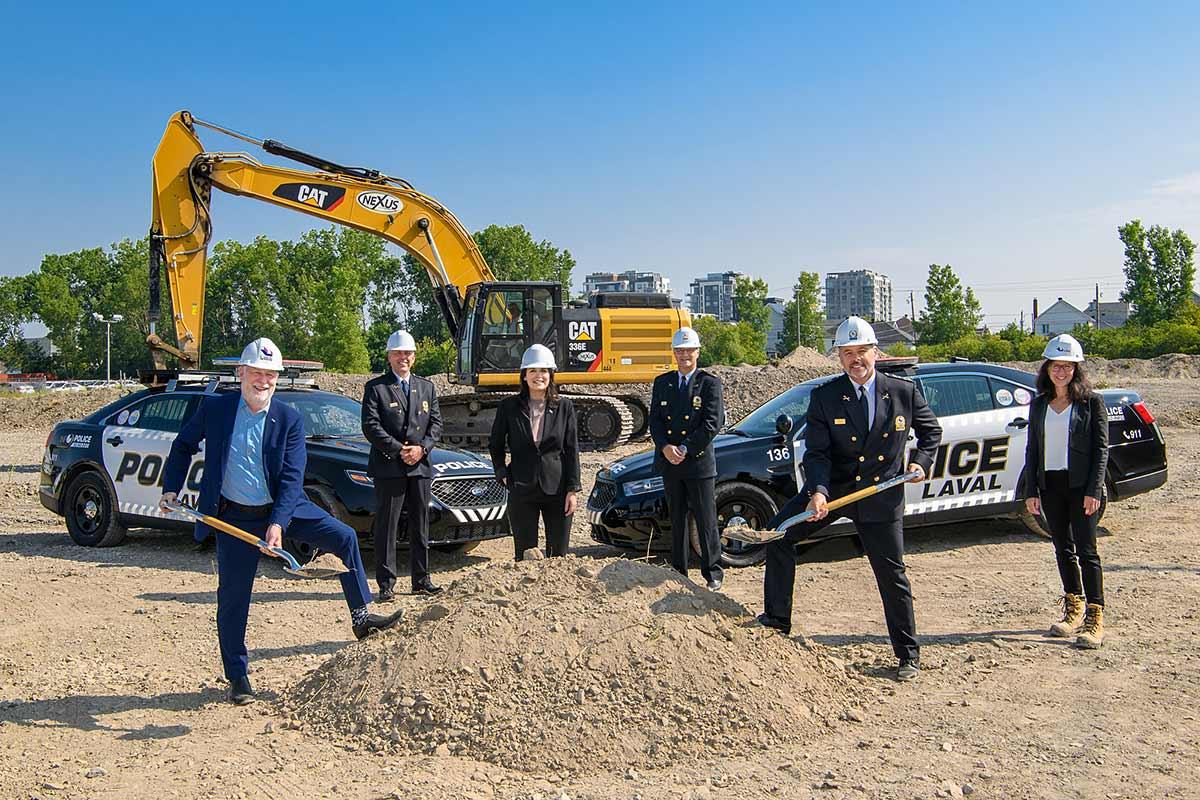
(404, 385)
(683, 383)
(865, 403)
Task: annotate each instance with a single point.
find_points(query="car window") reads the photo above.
(326, 414)
(793, 402)
(949, 395)
(164, 413)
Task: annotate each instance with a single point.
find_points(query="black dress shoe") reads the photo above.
(909, 669)
(377, 622)
(240, 693)
(427, 588)
(715, 584)
(385, 596)
(771, 622)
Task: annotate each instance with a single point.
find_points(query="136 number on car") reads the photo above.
(779, 454)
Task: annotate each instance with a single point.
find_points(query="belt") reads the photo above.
(257, 512)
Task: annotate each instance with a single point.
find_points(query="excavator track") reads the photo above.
(604, 422)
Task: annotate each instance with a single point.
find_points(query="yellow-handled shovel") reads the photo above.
(292, 565)
(741, 533)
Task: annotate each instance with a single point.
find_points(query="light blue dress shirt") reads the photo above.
(245, 479)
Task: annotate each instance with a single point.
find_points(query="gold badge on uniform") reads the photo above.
(839, 420)
(899, 423)
(424, 405)
(696, 401)
(392, 405)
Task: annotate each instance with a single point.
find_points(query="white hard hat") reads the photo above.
(854, 331)
(402, 340)
(686, 338)
(262, 354)
(538, 357)
(1063, 347)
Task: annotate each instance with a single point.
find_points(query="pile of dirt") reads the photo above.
(574, 664)
(1120, 371)
(807, 357)
(42, 410)
(351, 385)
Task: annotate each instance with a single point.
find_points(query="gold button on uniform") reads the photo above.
(877, 479)
(685, 416)
(862, 458)
(858, 477)
(885, 436)
(668, 433)
(881, 458)
(855, 438)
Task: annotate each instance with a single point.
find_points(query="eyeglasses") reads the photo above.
(1062, 367)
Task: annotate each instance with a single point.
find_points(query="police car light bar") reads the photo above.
(289, 365)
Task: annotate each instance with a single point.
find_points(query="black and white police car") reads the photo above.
(983, 410)
(103, 473)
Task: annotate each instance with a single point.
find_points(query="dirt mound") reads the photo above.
(1117, 371)
(41, 411)
(351, 385)
(574, 664)
(807, 357)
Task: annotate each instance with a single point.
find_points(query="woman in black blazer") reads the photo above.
(538, 428)
(1065, 460)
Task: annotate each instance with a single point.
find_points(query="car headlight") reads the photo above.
(634, 488)
(360, 477)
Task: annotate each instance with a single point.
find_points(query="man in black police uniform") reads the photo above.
(687, 408)
(856, 435)
(401, 420)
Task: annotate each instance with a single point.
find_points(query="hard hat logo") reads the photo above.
(262, 353)
(1063, 347)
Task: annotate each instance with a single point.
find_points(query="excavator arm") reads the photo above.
(181, 229)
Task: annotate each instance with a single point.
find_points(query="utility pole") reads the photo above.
(1097, 306)
(1022, 320)
(108, 323)
(912, 307)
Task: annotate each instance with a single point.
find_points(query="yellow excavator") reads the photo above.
(616, 338)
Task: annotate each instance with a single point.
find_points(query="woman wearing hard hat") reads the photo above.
(537, 427)
(1065, 460)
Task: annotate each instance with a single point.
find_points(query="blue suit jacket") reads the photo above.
(284, 456)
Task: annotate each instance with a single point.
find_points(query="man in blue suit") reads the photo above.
(254, 479)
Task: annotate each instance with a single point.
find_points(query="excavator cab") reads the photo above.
(501, 320)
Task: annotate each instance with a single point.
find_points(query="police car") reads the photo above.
(103, 473)
(984, 413)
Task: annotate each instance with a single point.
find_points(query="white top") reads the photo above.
(1056, 439)
(870, 387)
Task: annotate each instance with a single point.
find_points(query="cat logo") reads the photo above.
(326, 198)
(581, 331)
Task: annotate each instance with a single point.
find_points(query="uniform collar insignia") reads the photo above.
(846, 398)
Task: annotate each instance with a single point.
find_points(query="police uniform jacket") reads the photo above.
(841, 456)
(283, 450)
(690, 418)
(1087, 447)
(552, 464)
(389, 420)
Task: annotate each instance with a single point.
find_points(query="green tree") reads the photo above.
(809, 329)
(240, 303)
(720, 342)
(1159, 271)
(514, 256)
(951, 310)
(751, 312)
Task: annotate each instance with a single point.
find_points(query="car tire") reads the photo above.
(743, 504)
(90, 509)
(1037, 523)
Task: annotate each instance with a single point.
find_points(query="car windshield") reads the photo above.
(793, 402)
(326, 414)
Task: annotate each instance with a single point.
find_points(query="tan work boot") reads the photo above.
(1091, 635)
(1072, 616)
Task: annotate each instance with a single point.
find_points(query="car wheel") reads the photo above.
(91, 512)
(1036, 523)
(460, 548)
(740, 503)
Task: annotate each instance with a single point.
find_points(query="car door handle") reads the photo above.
(115, 441)
(1019, 423)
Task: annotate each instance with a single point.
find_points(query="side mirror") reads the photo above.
(783, 424)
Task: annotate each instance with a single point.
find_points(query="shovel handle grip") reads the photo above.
(234, 531)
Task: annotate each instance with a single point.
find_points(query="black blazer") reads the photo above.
(383, 415)
(690, 419)
(841, 456)
(551, 465)
(1087, 446)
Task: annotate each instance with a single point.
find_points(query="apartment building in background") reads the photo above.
(860, 293)
(631, 280)
(713, 294)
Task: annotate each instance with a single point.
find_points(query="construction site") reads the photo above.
(604, 674)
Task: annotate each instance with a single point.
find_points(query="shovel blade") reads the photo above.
(315, 572)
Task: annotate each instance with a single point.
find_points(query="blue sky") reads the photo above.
(1007, 141)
